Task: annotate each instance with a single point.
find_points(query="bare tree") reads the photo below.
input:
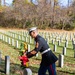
(43, 15)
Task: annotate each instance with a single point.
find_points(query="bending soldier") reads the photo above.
(48, 57)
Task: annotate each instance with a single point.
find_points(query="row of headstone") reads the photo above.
(63, 51)
(47, 36)
(16, 43)
(20, 37)
(24, 33)
(58, 38)
(59, 43)
(9, 40)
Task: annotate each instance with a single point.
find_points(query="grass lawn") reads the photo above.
(69, 60)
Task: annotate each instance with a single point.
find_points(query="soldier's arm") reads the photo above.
(32, 53)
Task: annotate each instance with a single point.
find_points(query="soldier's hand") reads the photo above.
(24, 54)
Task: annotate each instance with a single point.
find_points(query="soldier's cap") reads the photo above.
(32, 29)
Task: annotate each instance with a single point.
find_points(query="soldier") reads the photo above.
(48, 57)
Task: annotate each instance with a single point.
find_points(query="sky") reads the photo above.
(8, 1)
(63, 2)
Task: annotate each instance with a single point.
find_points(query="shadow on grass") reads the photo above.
(34, 69)
(64, 73)
(2, 71)
(2, 66)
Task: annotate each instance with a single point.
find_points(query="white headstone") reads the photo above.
(64, 50)
(17, 44)
(61, 60)
(27, 71)
(7, 65)
(28, 48)
(55, 48)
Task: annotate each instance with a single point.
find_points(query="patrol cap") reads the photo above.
(32, 29)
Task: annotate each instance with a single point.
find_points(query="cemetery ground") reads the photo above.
(34, 62)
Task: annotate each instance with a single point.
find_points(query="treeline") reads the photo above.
(45, 15)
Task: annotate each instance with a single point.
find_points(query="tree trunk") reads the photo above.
(0, 2)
